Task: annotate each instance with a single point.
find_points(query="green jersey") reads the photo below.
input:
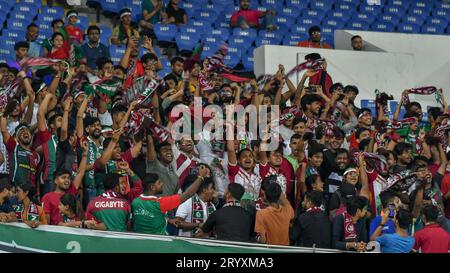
(149, 213)
(94, 153)
(111, 209)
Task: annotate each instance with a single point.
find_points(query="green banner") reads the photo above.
(72, 240)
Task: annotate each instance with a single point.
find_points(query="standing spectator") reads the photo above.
(93, 49)
(176, 64)
(110, 210)
(7, 201)
(29, 210)
(21, 52)
(75, 33)
(192, 214)
(445, 188)
(312, 228)
(232, 222)
(125, 30)
(432, 238)
(152, 11)
(149, 211)
(315, 39)
(349, 228)
(272, 223)
(388, 200)
(35, 49)
(357, 43)
(159, 161)
(246, 18)
(400, 241)
(174, 14)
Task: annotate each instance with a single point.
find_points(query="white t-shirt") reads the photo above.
(185, 211)
(105, 119)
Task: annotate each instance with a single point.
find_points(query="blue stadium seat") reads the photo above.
(223, 33)
(239, 42)
(442, 13)
(116, 53)
(205, 15)
(329, 39)
(322, 5)
(83, 22)
(232, 59)
(54, 12)
(433, 29)
(436, 21)
(189, 8)
(292, 12)
(442, 5)
(14, 34)
(397, 10)
(419, 12)
(338, 14)
(136, 12)
(247, 62)
(375, 9)
(44, 35)
(201, 25)
(369, 104)
(408, 28)
(45, 17)
(367, 18)
(334, 23)
(105, 32)
(413, 20)
(250, 33)
(345, 8)
(357, 24)
(8, 42)
(309, 21)
(213, 40)
(6, 50)
(327, 31)
(272, 4)
(423, 4)
(189, 30)
(37, 3)
(186, 41)
(311, 13)
(26, 8)
(383, 26)
(284, 22)
(210, 49)
(17, 24)
(165, 32)
(44, 25)
(6, 6)
(270, 34)
(401, 3)
(260, 41)
(112, 6)
(301, 4)
(20, 15)
(389, 18)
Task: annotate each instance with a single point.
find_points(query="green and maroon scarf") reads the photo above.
(349, 228)
(197, 211)
(427, 90)
(32, 213)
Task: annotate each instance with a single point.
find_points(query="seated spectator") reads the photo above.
(60, 48)
(67, 208)
(232, 222)
(312, 228)
(125, 30)
(315, 39)
(432, 238)
(152, 11)
(75, 33)
(349, 228)
(174, 14)
(7, 201)
(246, 18)
(93, 49)
(357, 43)
(21, 52)
(35, 49)
(29, 210)
(150, 212)
(57, 24)
(400, 241)
(272, 222)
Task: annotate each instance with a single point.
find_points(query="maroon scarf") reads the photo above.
(349, 228)
(314, 64)
(375, 161)
(427, 90)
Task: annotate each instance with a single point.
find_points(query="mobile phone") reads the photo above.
(391, 211)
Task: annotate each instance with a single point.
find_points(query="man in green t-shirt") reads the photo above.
(149, 211)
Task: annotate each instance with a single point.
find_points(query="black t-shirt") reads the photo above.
(230, 223)
(312, 228)
(66, 157)
(177, 14)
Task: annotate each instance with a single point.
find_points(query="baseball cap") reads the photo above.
(348, 190)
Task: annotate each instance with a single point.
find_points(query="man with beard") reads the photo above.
(149, 211)
(35, 49)
(403, 155)
(23, 160)
(338, 166)
(364, 122)
(296, 149)
(311, 104)
(333, 143)
(185, 157)
(315, 39)
(176, 64)
(246, 18)
(125, 31)
(93, 49)
(7, 201)
(50, 201)
(49, 141)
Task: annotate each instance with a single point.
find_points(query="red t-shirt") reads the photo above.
(75, 33)
(309, 43)
(50, 203)
(251, 16)
(316, 80)
(432, 239)
(285, 175)
(445, 188)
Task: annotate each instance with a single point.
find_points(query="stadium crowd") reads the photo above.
(89, 144)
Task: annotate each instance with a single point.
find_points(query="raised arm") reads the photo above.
(4, 129)
(231, 151)
(365, 189)
(107, 153)
(127, 114)
(41, 120)
(399, 106)
(30, 96)
(125, 61)
(82, 167)
(80, 114)
(151, 153)
(202, 173)
(149, 46)
(67, 107)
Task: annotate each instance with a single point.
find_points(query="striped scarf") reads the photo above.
(349, 228)
(313, 64)
(8, 92)
(105, 86)
(375, 161)
(427, 90)
(31, 213)
(198, 215)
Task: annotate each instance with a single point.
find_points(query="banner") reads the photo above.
(45, 238)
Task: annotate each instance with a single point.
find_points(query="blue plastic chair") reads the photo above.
(367, 18)
(436, 21)
(189, 30)
(272, 4)
(375, 9)
(357, 24)
(433, 29)
(292, 12)
(419, 12)
(26, 8)
(270, 34)
(389, 18)
(186, 41)
(335, 22)
(239, 42)
(190, 8)
(247, 62)
(284, 22)
(442, 5)
(249, 33)
(223, 33)
(401, 3)
(232, 59)
(314, 13)
(441, 13)
(165, 32)
(6, 6)
(423, 4)
(408, 28)
(44, 26)
(17, 24)
(301, 4)
(205, 15)
(394, 10)
(209, 50)
(327, 31)
(260, 41)
(322, 5)
(105, 32)
(329, 39)
(112, 6)
(83, 22)
(416, 20)
(369, 104)
(55, 12)
(212, 41)
(310, 21)
(383, 26)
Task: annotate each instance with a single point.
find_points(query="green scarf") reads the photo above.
(197, 211)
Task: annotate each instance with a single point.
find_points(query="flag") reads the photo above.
(35, 62)
(7, 92)
(142, 119)
(427, 90)
(105, 86)
(142, 91)
(313, 64)
(75, 52)
(234, 78)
